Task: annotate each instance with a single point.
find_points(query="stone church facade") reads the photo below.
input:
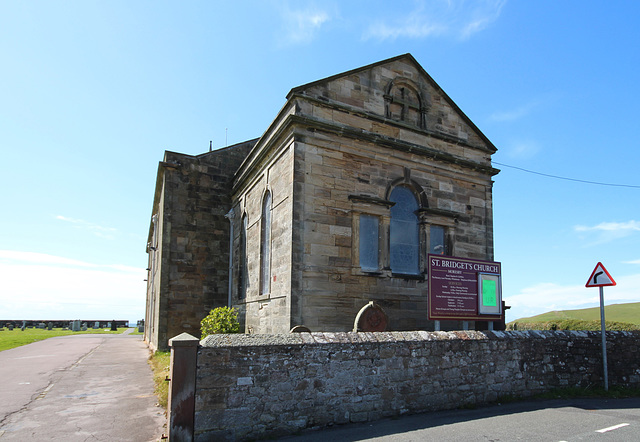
(359, 177)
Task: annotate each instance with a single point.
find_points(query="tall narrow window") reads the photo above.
(265, 245)
(368, 243)
(242, 260)
(404, 233)
(437, 241)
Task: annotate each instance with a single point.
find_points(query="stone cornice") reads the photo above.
(381, 119)
(371, 200)
(392, 143)
(289, 123)
(440, 212)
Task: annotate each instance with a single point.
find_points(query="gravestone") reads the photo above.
(141, 326)
(300, 329)
(40, 325)
(114, 326)
(96, 325)
(50, 326)
(75, 325)
(24, 325)
(371, 318)
(84, 326)
(10, 326)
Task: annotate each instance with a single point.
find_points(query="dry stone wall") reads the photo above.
(251, 386)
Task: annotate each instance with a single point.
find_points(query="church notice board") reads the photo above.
(464, 289)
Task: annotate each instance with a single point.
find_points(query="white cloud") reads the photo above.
(522, 149)
(30, 258)
(302, 25)
(545, 297)
(626, 227)
(100, 231)
(411, 27)
(609, 231)
(36, 285)
(459, 18)
(483, 14)
(38, 258)
(515, 114)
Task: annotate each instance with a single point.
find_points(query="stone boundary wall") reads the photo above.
(252, 386)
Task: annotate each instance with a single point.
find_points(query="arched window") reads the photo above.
(404, 102)
(404, 238)
(242, 265)
(265, 245)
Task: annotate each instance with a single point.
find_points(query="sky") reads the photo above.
(92, 94)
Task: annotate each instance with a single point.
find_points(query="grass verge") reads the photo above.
(571, 324)
(160, 364)
(16, 337)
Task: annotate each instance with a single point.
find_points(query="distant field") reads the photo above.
(628, 313)
(16, 337)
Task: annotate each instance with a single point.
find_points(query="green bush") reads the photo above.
(220, 320)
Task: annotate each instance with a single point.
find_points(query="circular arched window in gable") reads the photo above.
(403, 102)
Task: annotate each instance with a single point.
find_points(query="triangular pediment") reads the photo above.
(397, 91)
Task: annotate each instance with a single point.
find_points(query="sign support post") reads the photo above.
(604, 341)
(601, 278)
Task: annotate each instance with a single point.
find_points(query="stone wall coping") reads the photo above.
(321, 338)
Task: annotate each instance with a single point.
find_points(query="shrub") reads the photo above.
(220, 320)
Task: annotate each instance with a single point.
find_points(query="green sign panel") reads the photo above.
(489, 293)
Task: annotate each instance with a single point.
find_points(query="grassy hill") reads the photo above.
(628, 313)
(616, 316)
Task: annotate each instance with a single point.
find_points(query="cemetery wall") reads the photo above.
(251, 386)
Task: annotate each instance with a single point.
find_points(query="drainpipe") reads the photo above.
(229, 216)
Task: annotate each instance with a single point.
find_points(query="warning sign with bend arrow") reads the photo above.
(600, 277)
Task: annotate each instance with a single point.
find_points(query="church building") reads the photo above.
(358, 178)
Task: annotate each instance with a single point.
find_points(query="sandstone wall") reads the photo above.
(337, 173)
(267, 312)
(190, 273)
(251, 386)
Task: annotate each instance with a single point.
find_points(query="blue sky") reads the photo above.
(94, 92)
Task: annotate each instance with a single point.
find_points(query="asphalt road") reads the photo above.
(77, 388)
(550, 421)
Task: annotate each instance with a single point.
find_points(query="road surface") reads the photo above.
(550, 421)
(77, 388)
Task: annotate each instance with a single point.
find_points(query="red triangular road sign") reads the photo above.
(600, 277)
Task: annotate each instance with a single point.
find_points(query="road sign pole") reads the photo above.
(600, 278)
(604, 341)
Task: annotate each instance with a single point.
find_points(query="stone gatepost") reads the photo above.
(182, 387)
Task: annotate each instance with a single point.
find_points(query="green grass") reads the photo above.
(572, 324)
(628, 313)
(16, 337)
(159, 362)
